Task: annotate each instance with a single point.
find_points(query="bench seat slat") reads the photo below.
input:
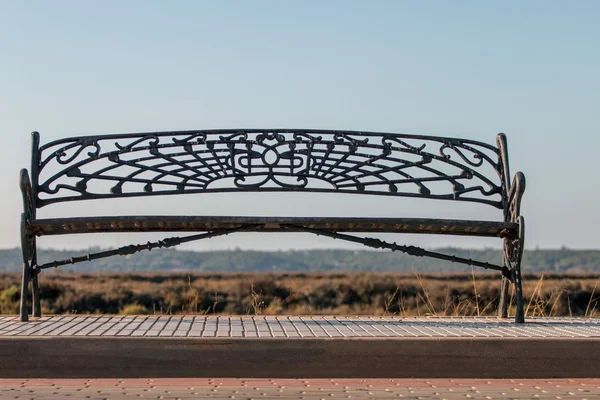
(60, 226)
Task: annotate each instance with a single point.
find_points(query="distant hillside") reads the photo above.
(561, 260)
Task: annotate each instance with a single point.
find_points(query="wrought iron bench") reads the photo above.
(207, 161)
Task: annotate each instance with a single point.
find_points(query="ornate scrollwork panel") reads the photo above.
(269, 160)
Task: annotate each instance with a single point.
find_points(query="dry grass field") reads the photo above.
(403, 294)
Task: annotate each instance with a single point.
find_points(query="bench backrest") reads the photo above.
(142, 164)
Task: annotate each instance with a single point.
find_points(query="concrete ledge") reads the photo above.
(128, 357)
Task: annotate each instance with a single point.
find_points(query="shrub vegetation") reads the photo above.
(403, 294)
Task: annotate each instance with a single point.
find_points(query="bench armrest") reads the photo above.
(515, 194)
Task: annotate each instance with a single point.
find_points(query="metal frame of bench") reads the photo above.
(271, 160)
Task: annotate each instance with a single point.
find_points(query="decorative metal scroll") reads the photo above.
(127, 165)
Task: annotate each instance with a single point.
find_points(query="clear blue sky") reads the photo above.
(468, 69)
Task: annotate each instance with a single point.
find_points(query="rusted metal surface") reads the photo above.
(189, 162)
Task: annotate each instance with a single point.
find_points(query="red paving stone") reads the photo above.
(167, 388)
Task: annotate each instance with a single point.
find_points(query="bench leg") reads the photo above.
(28, 241)
(516, 257)
(520, 315)
(25, 292)
(512, 255)
(504, 298)
(26, 249)
(505, 285)
(35, 294)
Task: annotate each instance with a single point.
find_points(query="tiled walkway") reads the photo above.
(299, 389)
(98, 346)
(297, 326)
